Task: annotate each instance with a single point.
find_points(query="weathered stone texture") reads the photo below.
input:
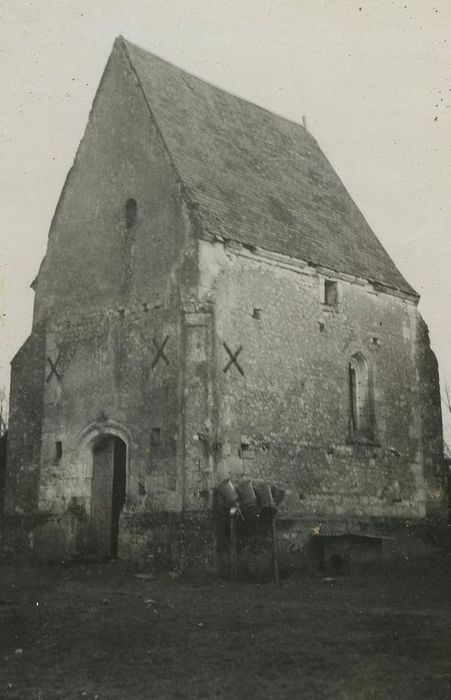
(292, 403)
(108, 382)
(121, 156)
(433, 465)
(25, 426)
(208, 358)
(105, 355)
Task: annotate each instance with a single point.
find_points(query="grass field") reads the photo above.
(98, 631)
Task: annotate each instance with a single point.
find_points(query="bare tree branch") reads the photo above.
(3, 412)
(447, 398)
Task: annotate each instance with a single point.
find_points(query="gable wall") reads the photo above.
(93, 261)
(107, 297)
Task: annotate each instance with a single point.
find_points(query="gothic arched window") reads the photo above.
(360, 409)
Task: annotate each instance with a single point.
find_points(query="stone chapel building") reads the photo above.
(213, 305)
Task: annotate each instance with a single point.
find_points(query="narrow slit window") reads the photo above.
(131, 210)
(353, 396)
(58, 451)
(155, 437)
(360, 408)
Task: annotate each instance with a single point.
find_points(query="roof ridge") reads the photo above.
(126, 42)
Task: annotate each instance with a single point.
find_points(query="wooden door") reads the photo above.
(119, 488)
(102, 496)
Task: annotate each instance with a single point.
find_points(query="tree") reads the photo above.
(446, 400)
(3, 411)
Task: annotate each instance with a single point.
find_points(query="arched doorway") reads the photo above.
(109, 459)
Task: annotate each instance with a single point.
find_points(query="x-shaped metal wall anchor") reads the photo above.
(233, 360)
(53, 368)
(160, 351)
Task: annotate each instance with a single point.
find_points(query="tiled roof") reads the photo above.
(258, 178)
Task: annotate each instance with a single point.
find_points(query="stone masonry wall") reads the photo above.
(25, 427)
(208, 360)
(108, 323)
(434, 470)
(110, 379)
(95, 260)
(285, 417)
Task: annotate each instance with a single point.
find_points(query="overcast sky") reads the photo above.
(372, 77)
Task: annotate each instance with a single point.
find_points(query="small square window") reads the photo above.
(155, 437)
(330, 293)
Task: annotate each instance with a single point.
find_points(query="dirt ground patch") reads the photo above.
(97, 631)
